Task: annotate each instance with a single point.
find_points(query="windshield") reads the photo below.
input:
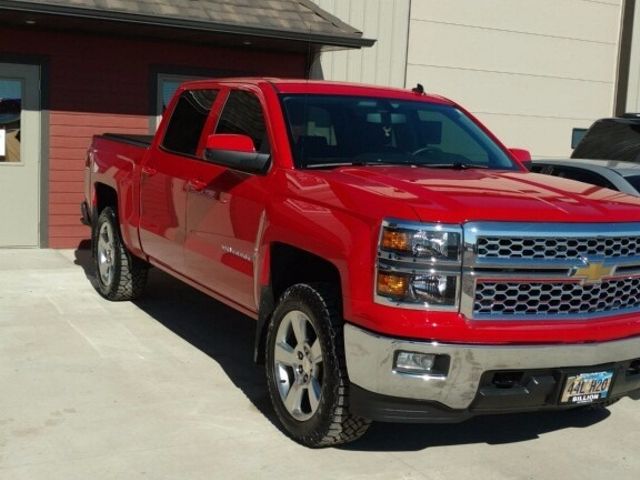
(330, 131)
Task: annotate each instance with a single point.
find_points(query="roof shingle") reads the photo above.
(278, 18)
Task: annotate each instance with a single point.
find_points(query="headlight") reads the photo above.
(419, 265)
(435, 243)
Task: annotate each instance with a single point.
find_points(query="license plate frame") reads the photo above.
(584, 388)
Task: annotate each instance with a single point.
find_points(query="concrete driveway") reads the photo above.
(166, 388)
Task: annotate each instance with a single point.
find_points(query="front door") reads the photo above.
(224, 215)
(19, 155)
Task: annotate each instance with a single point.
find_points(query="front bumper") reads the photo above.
(468, 387)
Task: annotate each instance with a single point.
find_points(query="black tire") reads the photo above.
(128, 276)
(332, 423)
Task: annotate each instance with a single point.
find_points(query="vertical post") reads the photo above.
(624, 57)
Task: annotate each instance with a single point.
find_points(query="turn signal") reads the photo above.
(392, 285)
(396, 240)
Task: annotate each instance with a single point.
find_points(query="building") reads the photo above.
(532, 71)
(70, 69)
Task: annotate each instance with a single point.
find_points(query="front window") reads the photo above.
(329, 131)
(243, 115)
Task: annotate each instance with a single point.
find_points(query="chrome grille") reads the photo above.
(557, 247)
(566, 298)
(549, 271)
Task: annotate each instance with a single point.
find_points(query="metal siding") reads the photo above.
(531, 71)
(385, 62)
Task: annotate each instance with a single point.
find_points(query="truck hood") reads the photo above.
(458, 196)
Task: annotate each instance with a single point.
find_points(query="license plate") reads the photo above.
(587, 387)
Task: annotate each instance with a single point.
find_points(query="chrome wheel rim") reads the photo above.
(106, 247)
(297, 363)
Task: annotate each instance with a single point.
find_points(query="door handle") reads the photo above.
(195, 185)
(148, 171)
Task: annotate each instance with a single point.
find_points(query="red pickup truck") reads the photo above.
(401, 263)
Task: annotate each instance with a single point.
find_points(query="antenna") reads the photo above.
(418, 89)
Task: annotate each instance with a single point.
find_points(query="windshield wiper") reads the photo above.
(405, 163)
(358, 163)
(452, 165)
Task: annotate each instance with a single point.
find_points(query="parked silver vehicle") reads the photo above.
(616, 175)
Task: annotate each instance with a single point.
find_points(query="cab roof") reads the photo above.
(325, 87)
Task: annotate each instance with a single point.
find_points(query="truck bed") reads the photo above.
(137, 140)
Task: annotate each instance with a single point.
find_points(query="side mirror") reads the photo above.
(522, 156)
(236, 152)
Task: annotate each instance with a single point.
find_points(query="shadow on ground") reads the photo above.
(227, 336)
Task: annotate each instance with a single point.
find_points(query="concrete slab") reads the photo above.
(165, 388)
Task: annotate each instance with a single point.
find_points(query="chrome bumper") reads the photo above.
(370, 364)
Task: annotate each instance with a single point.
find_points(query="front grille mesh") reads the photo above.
(557, 247)
(542, 298)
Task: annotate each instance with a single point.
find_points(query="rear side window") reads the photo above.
(611, 139)
(188, 120)
(242, 115)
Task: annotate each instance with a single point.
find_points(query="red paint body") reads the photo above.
(202, 234)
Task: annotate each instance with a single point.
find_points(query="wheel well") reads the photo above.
(289, 266)
(106, 196)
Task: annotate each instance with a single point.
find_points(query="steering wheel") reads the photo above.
(424, 150)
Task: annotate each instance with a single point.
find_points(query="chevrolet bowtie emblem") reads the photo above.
(593, 272)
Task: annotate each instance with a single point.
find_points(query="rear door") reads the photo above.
(165, 178)
(224, 215)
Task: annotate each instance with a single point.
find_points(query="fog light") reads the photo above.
(433, 289)
(413, 362)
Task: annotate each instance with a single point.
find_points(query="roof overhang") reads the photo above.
(223, 30)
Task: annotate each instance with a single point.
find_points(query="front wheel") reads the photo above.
(306, 371)
(119, 275)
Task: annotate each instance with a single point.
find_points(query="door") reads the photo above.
(165, 179)
(224, 214)
(20, 145)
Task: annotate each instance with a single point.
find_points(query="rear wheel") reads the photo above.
(119, 275)
(306, 371)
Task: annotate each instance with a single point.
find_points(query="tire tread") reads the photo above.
(130, 277)
(343, 427)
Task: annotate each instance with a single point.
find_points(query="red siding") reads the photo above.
(101, 84)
